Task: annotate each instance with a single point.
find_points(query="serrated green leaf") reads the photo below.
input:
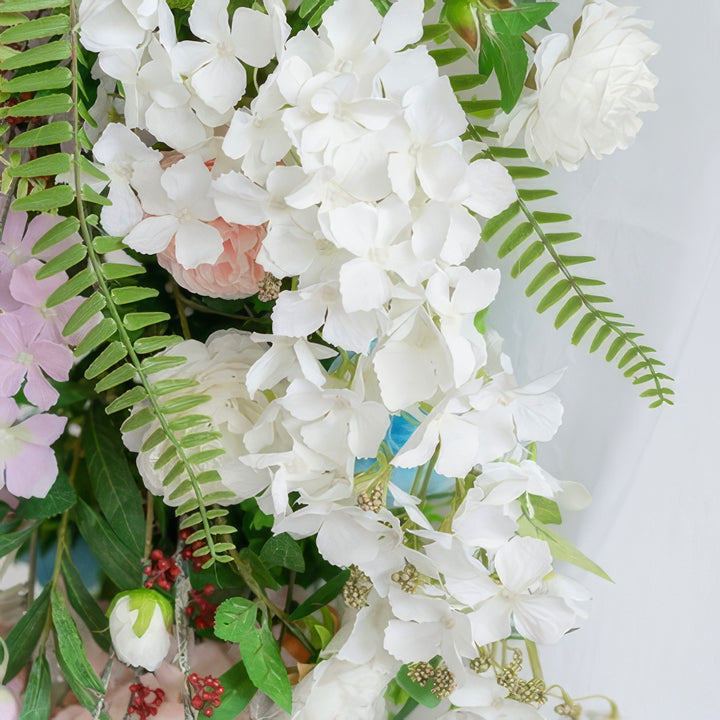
(85, 605)
(125, 295)
(571, 306)
(321, 597)
(521, 18)
(37, 702)
(127, 399)
(153, 344)
(116, 377)
(71, 288)
(112, 481)
(281, 550)
(112, 354)
(65, 260)
(499, 221)
(44, 200)
(55, 104)
(516, 238)
(510, 62)
(24, 636)
(52, 134)
(119, 271)
(40, 28)
(89, 309)
(529, 256)
(98, 334)
(56, 234)
(600, 337)
(54, 79)
(523, 172)
(556, 293)
(447, 56)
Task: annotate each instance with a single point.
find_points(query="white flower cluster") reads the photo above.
(351, 156)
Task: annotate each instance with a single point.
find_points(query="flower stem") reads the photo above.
(534, 659)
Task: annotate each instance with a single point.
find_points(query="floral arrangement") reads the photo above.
(251, 409)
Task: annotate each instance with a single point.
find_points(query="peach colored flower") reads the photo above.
(235, 274)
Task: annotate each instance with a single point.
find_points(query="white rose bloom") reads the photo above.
(139, 622)
(589, 91)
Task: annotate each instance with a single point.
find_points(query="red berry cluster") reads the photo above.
(162, 571)
(207, 693)
(188, 550)
(200, 610)
(140, 702)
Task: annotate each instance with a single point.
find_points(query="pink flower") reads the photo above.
(235, 274)
(26, 350)
(27, 462)
(16, 247)
(9, 708)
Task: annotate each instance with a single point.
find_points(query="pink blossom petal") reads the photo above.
(11, 377)
(38, 390)
(14, 228)
(32, 472)
(26, 289)
(45, 428)
(8, 412)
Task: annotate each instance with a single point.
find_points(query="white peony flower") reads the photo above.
(589, 90)
(139, 621)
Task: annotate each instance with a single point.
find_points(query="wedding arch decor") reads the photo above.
(262, 455)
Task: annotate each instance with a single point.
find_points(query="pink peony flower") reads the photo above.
(27, 349)
(27, 462)
(235, 274)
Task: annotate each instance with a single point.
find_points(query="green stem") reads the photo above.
(534, 658)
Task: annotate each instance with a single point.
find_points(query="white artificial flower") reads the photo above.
(521, 564)
(179, 207)
(139, 621)
(504, 482)
(479, 524)
(213, 67)
(122, 154)
(589, 90)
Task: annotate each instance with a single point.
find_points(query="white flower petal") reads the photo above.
(253, 37)
(153, 234)
(197, 243)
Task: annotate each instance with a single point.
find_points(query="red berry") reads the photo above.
(208, 711)
(196, 702)
(156, 555)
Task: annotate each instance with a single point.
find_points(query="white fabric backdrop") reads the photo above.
(649, 215)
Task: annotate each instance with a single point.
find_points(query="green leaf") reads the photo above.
(546, 511)
(281, 550)
(85, 605)
(181, 404)
(523, 172)
(98, 334)
(571, 306)
(239, 691)
(112, 354)
(91, 196)
(261, 656)
(32, 5)
(530, 255)
(66, 259)
(107, 243)
(117, 561)
(544, 276)
(72, 288)
(112, 481)
(516, 238)
(521, 18)
(556, 238)
(40, 28)
(52, 134)
(560, 548)
(88, 309)
(510, 62)
(556, 293)
(259, 570)
(10, 541)
(234, 618)
(37, 702)
(138, 320)
(54, 79)
(420, 693)
(447, 56)
(139, 419)
(615, 347)
(118, 376)
(56, 234)
(47, 52)
(171, 385)
(600, 337)
(529, 195)
(118, 271)
(499, 221)
(153, 344)
(125, 295)
(23, 638)
(468, 82)
(44, 200)
(582, 328)
(60, 498)
(321, 597)
(55, 104)
(127, 399)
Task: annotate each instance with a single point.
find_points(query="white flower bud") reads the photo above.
(139, 621)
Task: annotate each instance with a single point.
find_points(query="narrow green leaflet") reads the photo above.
(281, 550)
(521, 18)
(239, 691)
(25, 635)
(560, 548)
(85, 605)
(258, 569)
(117, 560)
(36, 705)
(321, 597)
(60, 498)
(510, 61)
(10, 541)
(112, 482)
